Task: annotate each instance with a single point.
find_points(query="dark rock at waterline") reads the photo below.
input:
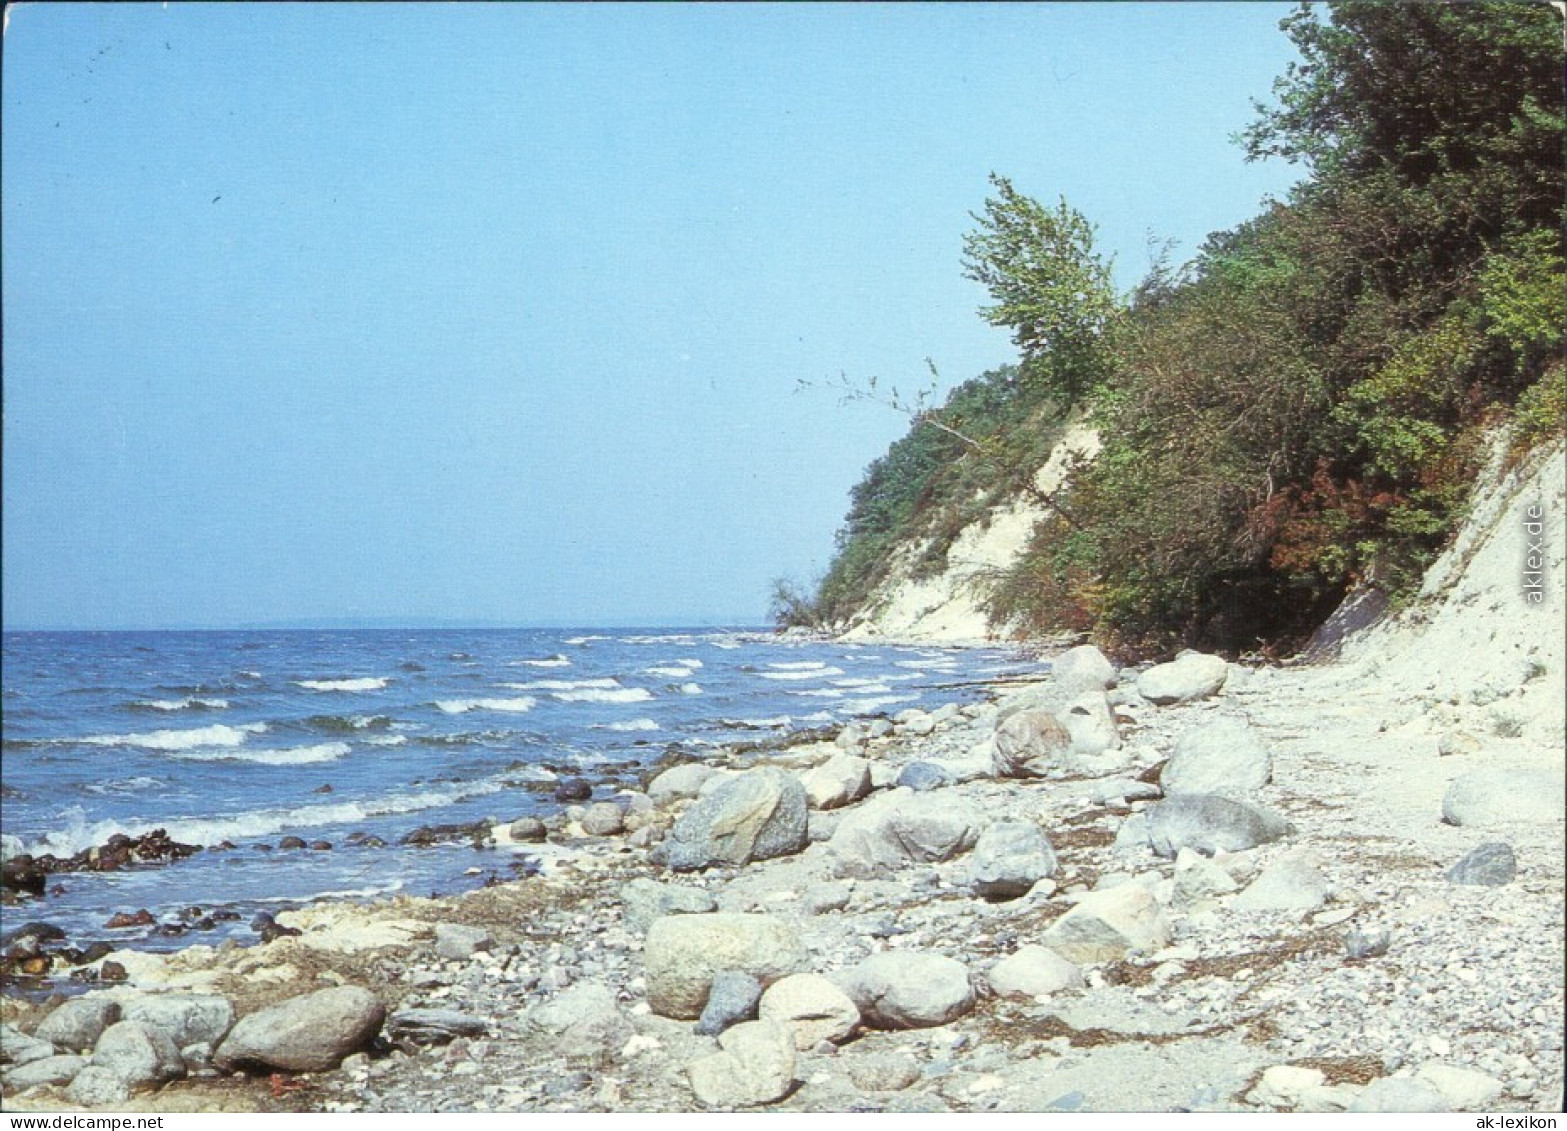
(291, 843)
(573, 789)
(322, 789)
(273, 931)
(40, 932)
(372, 842)
(427, 835)
(125, 919)
(23, 873)
(112, 971)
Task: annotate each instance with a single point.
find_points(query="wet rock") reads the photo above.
(812, 1008)
(433, 1026)
(123, 920)
(1206, 823)
(34, 933)
(922, 777)
(310, 1033)
(426, 835)
(1189, 677)
(758, 815)
(76, 1025)
(140, 1054)
(111, 971)
(898, 989)
(841, 780)
(1489, 865)
(733, 998)
(320, 846)
(684, 953)
(1224, 758)
(1106, 925)
(49, 1070)
(1033, 972)
(291, 844)
(902, 827)
(460, 942)
(646, 900)
(755, 1065)
(22, 873)
(584, 1024)
(1485, 798)
(573, 789)
(1009, 858)
(188, 1019)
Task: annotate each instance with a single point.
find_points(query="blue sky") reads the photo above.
(496, 313)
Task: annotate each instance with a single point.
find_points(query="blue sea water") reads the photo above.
(235, 736)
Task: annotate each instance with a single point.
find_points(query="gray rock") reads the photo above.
(878, 728)
(55, 1070)
(1485, 798)
(16, 1047)
(851, 737)
(433, 1026)
(1105, 925)
(188, 1019)
(916, 722)
(1295, 883)
(1367, 942)
(812, 1008)
(309, 1033)
(679, 782)
(1033, 972)
(821, 824)
(1223, 757)
(898, 989)
(684, 953)
(139, 1054)
(1113, 790)
(1463, 1089)
(733, 998)
(1207, 823)
(1189, 677)
(1032, 744)
(96, 1086)
(1090, 721)
(758, 815)
(528, 830)
(1399, 1094)
(584, 1024)
(1084, 664)
(1009, 858)
(1198, 878)
(841, 780)
(922, 777)
(646, 900)
(830, 895)
(1283, 1085)
(1491, 865)
(902, 827)
(755, 1065)
(884, 1072)
(459, 942)
(76, 1025)
(603, 818)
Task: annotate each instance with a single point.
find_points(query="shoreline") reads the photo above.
(1230, 993)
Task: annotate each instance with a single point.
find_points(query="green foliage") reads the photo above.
(1523, 294)
(792, 606)
(1051, 289)
(1541, 414)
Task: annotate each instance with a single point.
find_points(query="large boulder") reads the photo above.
(754, 1065)
(757, 815)
(139, 1054)
(1484, 798)
(1090, 721)
(583, 1024)
(1223, 757)
(679, 782)
(1295, 883)
(1084, 665)
(902, 827)
(684, 953)
(1032, 744)
(1032, 972)
(1206, 823)
(75, 1025)
(55, 1070)
(900, 989)
(1009, 858)
(1105, 925)
(309, 1033)
(188, 1019)
(96, 1086)
(841, 780)
(812, 1008)
(1188, 677)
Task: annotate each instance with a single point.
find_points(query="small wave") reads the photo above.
(296, 756)
(801, 673)
(368, 683)
(189, 703)
(122, 786)
(218, 735)
(580, 641)
(756, 724)
(798, 666)
(873, 704)
(630, 725)
(669, 672)
(461, 706)
(689, 688)
(555, 661)
(823, 693)
(561, 684)
(601, 695)
(387, 740)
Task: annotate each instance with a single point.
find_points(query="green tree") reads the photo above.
(1051, 288)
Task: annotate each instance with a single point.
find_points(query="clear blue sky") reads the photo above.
(495, 313)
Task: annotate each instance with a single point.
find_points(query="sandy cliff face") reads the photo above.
(949, 607)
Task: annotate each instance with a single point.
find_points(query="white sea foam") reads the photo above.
(629, 726)
(798, 666)
(825, 692)
(512, 706)
(579, 641)
(387, 740)
(670, 672)
(295, 756)
(802, 673)
(868, 686)
(561, 684)
(758, 724)
(218, 735)
(190, 703)
(123, 785)
(369, 683)
(690, 689)
(874, 703)
(555, 661)
(604, 695)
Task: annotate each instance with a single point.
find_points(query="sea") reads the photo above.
(244, 738)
